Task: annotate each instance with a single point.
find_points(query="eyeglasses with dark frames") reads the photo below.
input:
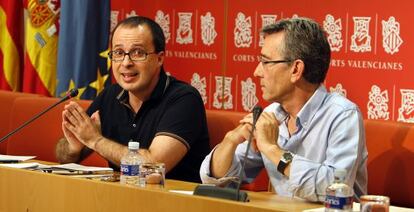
(265, 62)
(135, 55)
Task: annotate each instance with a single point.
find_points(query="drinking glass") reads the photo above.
(374, 203)
(152, 175)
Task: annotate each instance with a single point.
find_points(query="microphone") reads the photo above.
(230, 193)
(70, 94)
(257, 110)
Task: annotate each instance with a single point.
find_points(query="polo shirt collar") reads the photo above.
(157, 94)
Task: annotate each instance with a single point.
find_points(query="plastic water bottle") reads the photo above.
(338, 194)
(130, 165)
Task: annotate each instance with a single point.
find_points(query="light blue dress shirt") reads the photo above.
(330, 135)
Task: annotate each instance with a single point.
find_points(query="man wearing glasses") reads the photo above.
(306, 133)
(146, 105)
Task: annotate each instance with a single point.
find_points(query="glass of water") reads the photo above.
(152, 175)
(374, 203)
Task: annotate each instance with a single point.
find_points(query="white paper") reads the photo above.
(7, 158)
(20, 165)
(78, 167)
(92, 176)
(182, 192)
(43, 166)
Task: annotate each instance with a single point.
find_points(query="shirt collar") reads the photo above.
(307, 112)
(280, 113)
(310, 108)
(156, 94)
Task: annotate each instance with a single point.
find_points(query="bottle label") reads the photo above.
(341, 203)
(129, 170)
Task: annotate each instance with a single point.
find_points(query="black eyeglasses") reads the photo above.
(134, 55)
(265, 62)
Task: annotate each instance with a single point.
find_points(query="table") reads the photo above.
(25, 190)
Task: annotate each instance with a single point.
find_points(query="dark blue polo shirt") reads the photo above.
(174, 109)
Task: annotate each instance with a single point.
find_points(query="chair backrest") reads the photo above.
(6, 102)
(38, 138)
(390, 160)
(95, 159)
(219, 122)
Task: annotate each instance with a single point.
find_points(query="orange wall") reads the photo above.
(371, 61)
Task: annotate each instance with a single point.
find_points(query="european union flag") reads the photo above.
(83, 36)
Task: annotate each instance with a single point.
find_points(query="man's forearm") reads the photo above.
(113, 151)
(110, 150)
(222, 159)
(63, 153)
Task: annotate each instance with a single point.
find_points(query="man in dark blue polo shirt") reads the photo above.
(146, 105)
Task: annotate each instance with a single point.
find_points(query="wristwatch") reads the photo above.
(286, 158)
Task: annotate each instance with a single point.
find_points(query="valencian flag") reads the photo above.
(83, 44)
(11, 50)
(41, 46)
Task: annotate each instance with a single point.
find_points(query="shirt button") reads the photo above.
(134, 125)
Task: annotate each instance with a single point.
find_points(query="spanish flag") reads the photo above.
(11, 51)
(41, 46)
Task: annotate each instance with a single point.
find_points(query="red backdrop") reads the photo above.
(214, 46)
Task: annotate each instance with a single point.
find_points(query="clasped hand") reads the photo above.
(265, 134)
(80, 129)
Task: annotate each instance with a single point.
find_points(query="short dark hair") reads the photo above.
(306, 40)
(158, 38)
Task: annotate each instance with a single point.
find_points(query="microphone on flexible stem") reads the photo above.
(230, 193)
(70, 94)
(257, 110)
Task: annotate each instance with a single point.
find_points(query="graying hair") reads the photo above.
(306, 40)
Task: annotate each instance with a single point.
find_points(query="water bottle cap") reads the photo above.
(133, 145)
(340, 173)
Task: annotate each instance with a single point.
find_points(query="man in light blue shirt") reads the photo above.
(306, 133)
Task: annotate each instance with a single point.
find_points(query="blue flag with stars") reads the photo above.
(82, 48)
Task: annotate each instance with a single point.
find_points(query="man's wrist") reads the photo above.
(229, 140)
(284, 163)
(65, 153)
(71, 149)
(273, 151)
(97, 141)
